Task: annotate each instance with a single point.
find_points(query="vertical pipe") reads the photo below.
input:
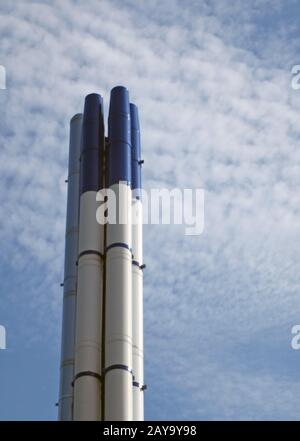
(118, 308)
(105, 185)
(87, 378)
(65, 403)
(137, 271)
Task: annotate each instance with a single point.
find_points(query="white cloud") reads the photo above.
(214, 113)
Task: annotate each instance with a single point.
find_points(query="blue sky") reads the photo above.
(213, 85)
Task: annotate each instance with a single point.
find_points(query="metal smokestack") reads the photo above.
(65, 403)
(137, 269)
(117, 373)
(87, 379)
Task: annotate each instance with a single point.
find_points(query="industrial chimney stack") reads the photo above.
(102, 372)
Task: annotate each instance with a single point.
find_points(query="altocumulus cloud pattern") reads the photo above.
(217, 111)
